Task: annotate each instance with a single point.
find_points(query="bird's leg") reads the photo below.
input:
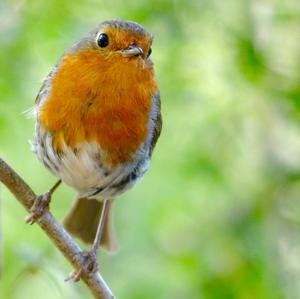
(90, 257)
(41, 204)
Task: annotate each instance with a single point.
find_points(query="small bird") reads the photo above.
(97, 121)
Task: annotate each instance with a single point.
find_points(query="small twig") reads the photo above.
(61, 239)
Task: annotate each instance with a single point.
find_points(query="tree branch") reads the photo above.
(61, 239)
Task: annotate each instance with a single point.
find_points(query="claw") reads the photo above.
(90, 266)
(39, 207)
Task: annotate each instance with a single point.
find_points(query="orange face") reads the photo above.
(102, 91)
(122, 39)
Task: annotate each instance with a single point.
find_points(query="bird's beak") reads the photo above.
(132, 51)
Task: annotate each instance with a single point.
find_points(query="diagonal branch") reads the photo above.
(61, 239)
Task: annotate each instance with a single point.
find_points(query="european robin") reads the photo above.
(97, 121)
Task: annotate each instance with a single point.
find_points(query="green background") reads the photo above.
(218, 214)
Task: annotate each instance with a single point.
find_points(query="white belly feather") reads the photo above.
(84, 171)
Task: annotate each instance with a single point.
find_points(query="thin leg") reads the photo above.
(51, 191)
(100, 228)
(91, 265)
(41, 204)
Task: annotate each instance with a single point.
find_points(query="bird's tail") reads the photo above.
(83, 219)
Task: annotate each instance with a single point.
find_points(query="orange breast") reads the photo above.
(107, 100)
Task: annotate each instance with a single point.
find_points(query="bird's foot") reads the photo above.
(90, 266)
(39, 207)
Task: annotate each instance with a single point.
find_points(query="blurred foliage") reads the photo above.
(218, 215)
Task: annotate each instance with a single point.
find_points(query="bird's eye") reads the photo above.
(103, 40)
(149, 53)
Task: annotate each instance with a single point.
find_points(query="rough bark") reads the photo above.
(56, 233)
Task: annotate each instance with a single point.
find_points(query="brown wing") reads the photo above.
(38, 97)
(157, 121)
(45, 88)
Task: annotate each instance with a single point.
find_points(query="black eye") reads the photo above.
(103, 40)
(149, 53)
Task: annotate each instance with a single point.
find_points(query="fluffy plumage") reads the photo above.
(98, 113)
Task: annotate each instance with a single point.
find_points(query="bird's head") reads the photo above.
(118, 40)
